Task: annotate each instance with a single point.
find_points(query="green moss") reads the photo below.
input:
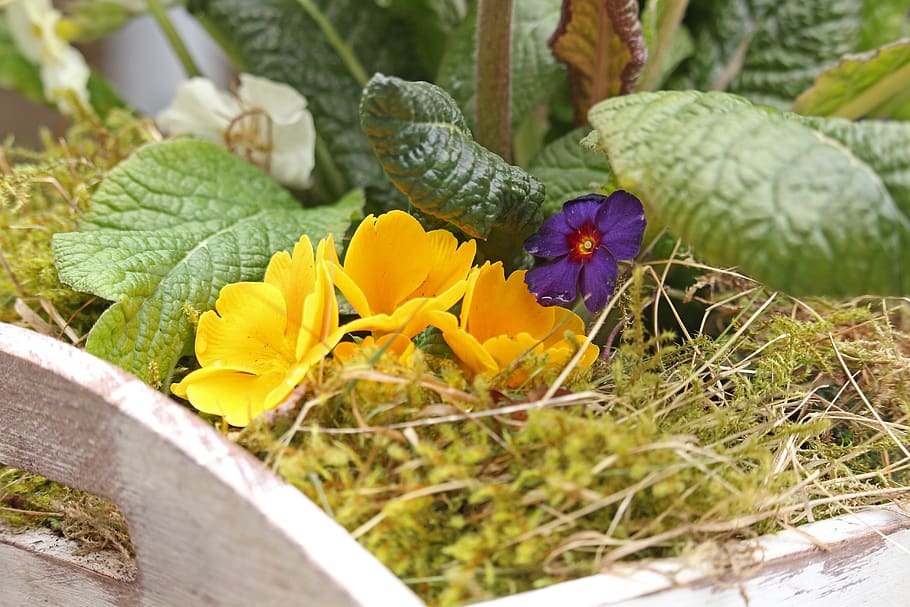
(31, 500)
(42, 193)
(684, 441)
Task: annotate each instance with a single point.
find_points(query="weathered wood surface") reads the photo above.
(213, 526)
(857, 560)
(210, 524)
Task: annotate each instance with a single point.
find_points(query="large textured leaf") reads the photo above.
(602, 43)
(165, 231)
(807, 205)
(535, 72)
(426, 148)
(569, 170)
(277, 39)
(769, 50)
(875, 84)
(884, 21)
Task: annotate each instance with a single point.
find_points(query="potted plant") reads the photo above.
(505, 303)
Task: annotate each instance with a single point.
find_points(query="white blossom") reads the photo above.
(33, 26)
(265, 122)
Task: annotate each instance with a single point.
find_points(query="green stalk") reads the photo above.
(345, 52)
(893, 86)
(167, 27)
(493, 119)
(664, 24)
(334, 181)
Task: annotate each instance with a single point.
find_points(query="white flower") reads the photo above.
(266, 122)
(33, 26)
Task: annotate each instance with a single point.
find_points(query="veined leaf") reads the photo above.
(875, 84)
(165, 231)
(535, 72)
(602, 43)
(806, 205)
(277, 39)
(768, 50)
(426, 148)
(569, 170)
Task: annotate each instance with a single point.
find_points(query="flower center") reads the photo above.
(583, 242)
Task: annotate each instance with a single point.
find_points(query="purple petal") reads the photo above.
(597, 279)
(582, 210)
(551, 240)
(621, 219)
(554, 283)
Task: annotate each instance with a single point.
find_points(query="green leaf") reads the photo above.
(768, 50)
(17, 72)
(432, 22)
(426, 148)
(102, 96)
(881, 145)
(875, 84)
(668, 42)
(165, 231)
(884, 21)
(569, 170)
(602, 43)
(278, 40)
(535, 72)
(806, 205)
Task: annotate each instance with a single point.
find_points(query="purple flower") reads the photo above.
(585, 240)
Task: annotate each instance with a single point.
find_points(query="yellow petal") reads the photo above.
(448, 263)
(236, 396)
(387, 259)
(499, 306)
(411, 317)
(465, 347)
(395, 345)
(571, 347)
(248, 331)
(319, 325)
(352, 292)
(508, 349)
(293, 275)
(325, 250)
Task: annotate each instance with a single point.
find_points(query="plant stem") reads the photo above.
(892, 86)
(493, 118)
(334, 181)
(664, 25)
(345, 52)
(167, 27)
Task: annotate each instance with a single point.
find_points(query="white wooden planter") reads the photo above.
(213, 526)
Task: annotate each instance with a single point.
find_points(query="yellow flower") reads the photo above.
(395, 274)
(501, 323)
(392, 344)
(263, 337)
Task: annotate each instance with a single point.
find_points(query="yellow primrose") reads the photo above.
(259, 342)
(402, 348)
(501, 324)
(395, 273)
